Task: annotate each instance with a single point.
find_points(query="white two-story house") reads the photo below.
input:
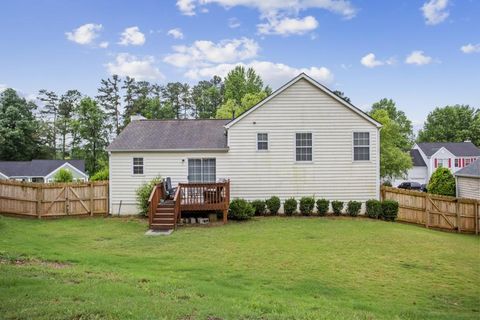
(303, 140)
(428, 156)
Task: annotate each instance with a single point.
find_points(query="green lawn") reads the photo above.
(269, 268)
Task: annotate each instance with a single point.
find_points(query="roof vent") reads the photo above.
(137, 117)
(467, 141)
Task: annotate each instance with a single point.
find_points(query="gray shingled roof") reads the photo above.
(36, 168)
(417, 159)
(472, 170)
(459, 149)
(149, 135)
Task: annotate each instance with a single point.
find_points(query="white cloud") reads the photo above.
(84, 34)
(132, 36)
(186, 7)
(288, 26)
(203, 53)
(273, 74)
(435, 11)
(419, 58)
(371, 61)
(176, 33)
(233, 23)
(470, 48)
(139, 68)
(3, 87)
(103, 44)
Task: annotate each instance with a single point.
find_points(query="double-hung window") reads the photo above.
(202, 170)
(137, 165)
(457, 163)
(442, 163)
(262, 141)
(303, 146)
(361, 146)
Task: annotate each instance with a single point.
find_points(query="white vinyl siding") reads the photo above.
(259, 175)
(468, 187)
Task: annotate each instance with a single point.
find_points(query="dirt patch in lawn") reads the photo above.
(26, 261)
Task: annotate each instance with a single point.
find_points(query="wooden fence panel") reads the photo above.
(54, 200)
(434, 211)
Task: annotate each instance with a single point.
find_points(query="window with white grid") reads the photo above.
(262, 141)
(361, 146)
(303, 146)
(137, 165)
(202, 170)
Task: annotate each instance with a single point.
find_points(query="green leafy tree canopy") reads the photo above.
(442, 182)
(63, 175)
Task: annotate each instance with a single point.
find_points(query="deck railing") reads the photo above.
(155, 196)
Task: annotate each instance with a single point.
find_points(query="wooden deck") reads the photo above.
(165, 213)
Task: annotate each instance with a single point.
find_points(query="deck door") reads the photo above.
(202, 170)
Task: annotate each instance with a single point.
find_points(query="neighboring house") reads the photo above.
(41, 170)
(303, 140)
(468, 181)
(428, 156)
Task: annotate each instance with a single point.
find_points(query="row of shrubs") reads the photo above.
(240, 209)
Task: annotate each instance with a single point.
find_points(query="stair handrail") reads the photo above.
(153, 200)
(176, 201)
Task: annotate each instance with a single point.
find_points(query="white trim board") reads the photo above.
(314, 83)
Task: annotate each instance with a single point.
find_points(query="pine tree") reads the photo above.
(110, 100)
(50, 109)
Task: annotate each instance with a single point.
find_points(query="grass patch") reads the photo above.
(269, 268)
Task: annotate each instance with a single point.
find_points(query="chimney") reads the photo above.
(137, 117)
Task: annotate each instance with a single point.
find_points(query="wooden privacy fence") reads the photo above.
(54, 199)
(434, 211)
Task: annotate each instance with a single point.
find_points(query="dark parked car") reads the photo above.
(410, 185)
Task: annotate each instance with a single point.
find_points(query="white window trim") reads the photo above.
(268, 141)
(201, 168)
(143, 167)
(295, 148)
(369, 146)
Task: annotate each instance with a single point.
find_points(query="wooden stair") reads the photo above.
(164, 216)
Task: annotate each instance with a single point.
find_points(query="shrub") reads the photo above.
(387, 183)
(63, 175)
(273, 204)
(373, 208)
(337, 207)
(389, 210)
(143, 193)
(240, 209)
(101, 175)
(259, 206)
(353, 208)
(322, 206)
(290, 206)
(442, 182)
(307, 204)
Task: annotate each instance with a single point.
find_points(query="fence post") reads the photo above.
(67, 203)
(477, 205)
(39, 201)
(427, 211)
(91, 197)
(457, 212)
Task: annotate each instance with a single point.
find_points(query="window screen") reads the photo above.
(262, 141)
(303, 146)
(361, 146)
(137, 165)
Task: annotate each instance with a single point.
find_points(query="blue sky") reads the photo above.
(421, 53)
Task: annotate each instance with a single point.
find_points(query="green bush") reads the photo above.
(322, 206)
(240, 209)
(337, 207)
(63, 175)
(273, 204)
(373, 208)
(389, 210)
(307, 205)
(290, 206)
(353, 208)
(143, 193)
(101, 175)
(259, 206)
(442, 182)
(387, 183)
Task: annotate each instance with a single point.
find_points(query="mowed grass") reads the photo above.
(269, 268)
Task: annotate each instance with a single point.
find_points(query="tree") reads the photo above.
(129, 87)
(342, 95)
(63, 175)
(230, 109)
(171, 94)
(207, 97)
(110, 100)
(452, 124)
(92, 120)
(394, 162)
(156, 109)
(442, 182)
(239, 82)
(67, 107)
(19, 139)
(405, 137)
(50, 109)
